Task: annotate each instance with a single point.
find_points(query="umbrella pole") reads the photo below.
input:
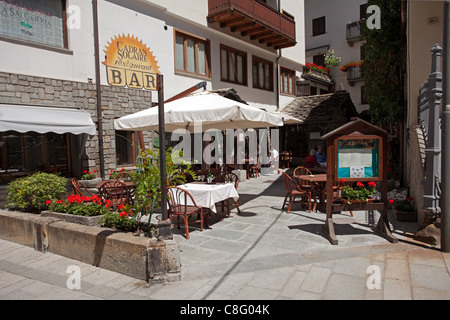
(165, 223)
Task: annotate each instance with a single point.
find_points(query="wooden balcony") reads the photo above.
(255, 20)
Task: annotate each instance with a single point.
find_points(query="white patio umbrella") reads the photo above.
(210, 109)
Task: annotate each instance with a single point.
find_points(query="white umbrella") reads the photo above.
(211, 110)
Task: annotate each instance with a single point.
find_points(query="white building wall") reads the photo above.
(154, 23)
(338, 13)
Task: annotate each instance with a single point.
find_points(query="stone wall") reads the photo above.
(116, 102)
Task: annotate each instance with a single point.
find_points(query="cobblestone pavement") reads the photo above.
(262, 253)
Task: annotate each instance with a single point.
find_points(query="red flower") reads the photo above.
(48, 202)
(372, 184)
(85, 171)
(342, 180)
(359, 184)
(391, 201)
(95, 171)
(59, 201)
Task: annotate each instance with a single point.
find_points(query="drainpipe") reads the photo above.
(99, 89)
(445, 137)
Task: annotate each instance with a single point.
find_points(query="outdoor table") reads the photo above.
(318, 183)
(207, 195)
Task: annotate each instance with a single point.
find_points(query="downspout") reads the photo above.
(445, 137)
(99, 89)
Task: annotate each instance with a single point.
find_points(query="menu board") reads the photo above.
(358, 158)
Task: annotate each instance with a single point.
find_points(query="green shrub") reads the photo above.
(30, 193)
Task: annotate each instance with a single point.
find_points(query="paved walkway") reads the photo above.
(260, 254)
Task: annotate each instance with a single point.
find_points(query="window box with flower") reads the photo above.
(358, 194)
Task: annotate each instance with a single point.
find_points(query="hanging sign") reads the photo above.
(130, 63)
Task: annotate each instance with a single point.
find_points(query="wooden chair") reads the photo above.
(231, 177)
(314, 193)
(182, 205)
(292, 192)
(299, 171)
(79, 189)
(116, 192)
(125, 176)
(254, 169)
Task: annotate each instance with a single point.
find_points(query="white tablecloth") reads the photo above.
(207, 195)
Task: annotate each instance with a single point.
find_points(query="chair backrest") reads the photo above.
(123, 176)
(79, 188)
(299, 171)
(114, 191)
(231, 177)
(289, 184)
(178, 199)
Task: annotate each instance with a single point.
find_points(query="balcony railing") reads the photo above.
(255, 19)
(355, 32)
(354, 74)
(312, 74)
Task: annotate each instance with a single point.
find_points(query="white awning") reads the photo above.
(45, 119)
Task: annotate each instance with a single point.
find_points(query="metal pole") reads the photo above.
(165, 223)
(99, 90)
(445, 156)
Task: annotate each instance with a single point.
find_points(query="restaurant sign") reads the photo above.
(130, 63)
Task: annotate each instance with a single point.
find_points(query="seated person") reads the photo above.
(321, 156)
(311, 161)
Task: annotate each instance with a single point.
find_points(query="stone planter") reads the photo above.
(405, 216)
(92, 221)
(91, 183)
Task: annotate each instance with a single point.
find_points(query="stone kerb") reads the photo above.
(139, 257)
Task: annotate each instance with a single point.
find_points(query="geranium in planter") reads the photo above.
(358, 194)
(404, 210)
(76, 205)
(351, 64)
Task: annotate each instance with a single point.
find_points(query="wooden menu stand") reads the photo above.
(364, 145)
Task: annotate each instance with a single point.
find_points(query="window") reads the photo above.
(233, 65)
(318, 26)
(23, 153)
(363, 96)
(191, 55)
(319, 60)
(126, 147)
(287, 81)
(262, 74)
(41, 21)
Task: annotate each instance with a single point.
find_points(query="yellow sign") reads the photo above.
(129, 63)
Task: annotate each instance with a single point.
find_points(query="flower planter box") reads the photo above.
(405, 216)
(84, 220)
(91, 183)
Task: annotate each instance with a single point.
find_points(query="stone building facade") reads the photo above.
(17, 89)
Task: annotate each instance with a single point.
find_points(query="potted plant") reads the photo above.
(358, 194)
(404, 210)
(89, 179)
(331, 60)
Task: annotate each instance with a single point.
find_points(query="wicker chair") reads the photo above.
(116, 192)
(182, 205)
(292, 192)
(231, 177)
(79, 189)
